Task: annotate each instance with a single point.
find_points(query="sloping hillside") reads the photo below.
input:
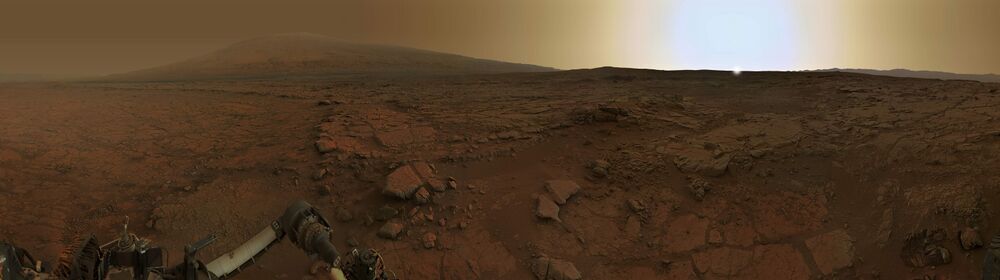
(904, 73)
(310, 55)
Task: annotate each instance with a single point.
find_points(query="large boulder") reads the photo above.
(698, 161)
(402, 183)
(407, 179)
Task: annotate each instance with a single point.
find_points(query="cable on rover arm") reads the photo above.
(301, 223)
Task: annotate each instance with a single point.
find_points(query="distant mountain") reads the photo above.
(17, 77)
(310, 55)
(989, 78)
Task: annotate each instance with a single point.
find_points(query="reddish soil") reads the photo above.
(682, 175)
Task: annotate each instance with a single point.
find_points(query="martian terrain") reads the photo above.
(460, 168)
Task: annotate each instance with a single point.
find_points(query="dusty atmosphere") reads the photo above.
(623, 173)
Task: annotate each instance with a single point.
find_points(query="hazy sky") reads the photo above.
(107, 36)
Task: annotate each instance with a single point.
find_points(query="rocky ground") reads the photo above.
(587, 174)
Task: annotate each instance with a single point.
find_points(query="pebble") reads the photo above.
(429, 239)
(344, 216)
(636, 205)
(969, 239)
(320, 174)
(325, 190)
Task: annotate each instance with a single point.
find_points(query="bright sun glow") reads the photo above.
(718, 34)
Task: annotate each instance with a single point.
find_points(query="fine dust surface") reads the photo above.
(681, 175)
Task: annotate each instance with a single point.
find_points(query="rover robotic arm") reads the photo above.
(131, 257)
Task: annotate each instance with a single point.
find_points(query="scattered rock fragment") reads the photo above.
(702, 162)
(547, 209)
(452, 183)
(422, 196)
(636, 205)
(429, 240)
(423, 169)
(324, 103)
(326, 145)
(599, 168)
(508, 135)
(758, 153)
(885, 228)
(938, 235)
(714, 237)
(935, 255)
(633, 226)
(601, 114)
(390, 230)
(699, 188)
(969, 238)
(921, 249)
(561, 190)
(320, 174)
(344, 216)
(325, 190)
(546, 268)
(385, 213)
(436, 184)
